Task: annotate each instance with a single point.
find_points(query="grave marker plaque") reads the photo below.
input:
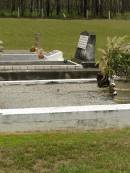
(83, 41)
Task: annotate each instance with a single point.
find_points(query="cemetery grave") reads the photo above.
(49, 92)
(25, 65)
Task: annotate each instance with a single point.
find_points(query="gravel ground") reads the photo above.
(23, 96)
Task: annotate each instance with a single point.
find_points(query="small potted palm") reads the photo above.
(115, 63)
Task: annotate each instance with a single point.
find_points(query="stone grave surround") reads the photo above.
(86, 47)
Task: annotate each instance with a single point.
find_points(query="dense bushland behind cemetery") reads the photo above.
(65, 8)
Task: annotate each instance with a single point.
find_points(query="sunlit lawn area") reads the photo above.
(61, 152)
(58, 34)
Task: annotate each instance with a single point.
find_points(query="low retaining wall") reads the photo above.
(49, 74)
(60, 118)
(54, 81)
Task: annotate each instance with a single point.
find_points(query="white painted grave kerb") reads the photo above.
(59, 118)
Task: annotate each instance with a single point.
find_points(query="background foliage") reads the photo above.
(64, 8)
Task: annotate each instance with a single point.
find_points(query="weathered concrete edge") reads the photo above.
(59, 118)
(57, 81)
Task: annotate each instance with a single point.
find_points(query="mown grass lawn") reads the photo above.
(66, 152)
(58, 34)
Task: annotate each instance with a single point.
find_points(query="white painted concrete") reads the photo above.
(59, 118)
(60, 81)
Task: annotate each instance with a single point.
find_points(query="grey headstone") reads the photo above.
(86, 47)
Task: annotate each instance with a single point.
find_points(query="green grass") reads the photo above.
(80, 152)
(58, 34)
